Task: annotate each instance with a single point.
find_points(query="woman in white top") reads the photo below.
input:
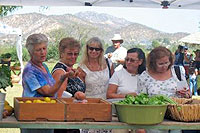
(124, 81)
(94, 70)
(160, 77)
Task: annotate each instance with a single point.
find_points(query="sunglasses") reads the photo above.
(131, 60)
(93, 48)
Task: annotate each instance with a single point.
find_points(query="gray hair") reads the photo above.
(35, 39)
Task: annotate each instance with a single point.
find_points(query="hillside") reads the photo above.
(84, 25)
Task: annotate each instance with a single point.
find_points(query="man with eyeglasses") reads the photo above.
(116, 52)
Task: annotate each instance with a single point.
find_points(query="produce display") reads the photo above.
(39, 109)
(89, 109)
(46, 100)
(144, 99)
(80, 95)
(190, 110)
(143, 109)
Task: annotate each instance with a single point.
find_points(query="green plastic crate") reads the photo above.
(141, 114)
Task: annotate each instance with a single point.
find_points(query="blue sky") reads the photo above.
(167, 20)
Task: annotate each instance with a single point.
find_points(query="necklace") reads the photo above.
(94, 68)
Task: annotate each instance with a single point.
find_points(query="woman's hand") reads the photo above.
(72, 73)
(183, 93)
(79, 95)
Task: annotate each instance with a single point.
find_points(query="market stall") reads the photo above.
(11, 122)
(174, 4)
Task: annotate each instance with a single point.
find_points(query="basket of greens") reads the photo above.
(142, 109)
(188, 110)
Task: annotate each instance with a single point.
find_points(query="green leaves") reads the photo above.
(4, 10)
(6, 55)
(144, 99)
(5, 77)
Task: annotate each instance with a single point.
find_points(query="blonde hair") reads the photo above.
(85, 58)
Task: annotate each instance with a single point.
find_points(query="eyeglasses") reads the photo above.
(163, 64)
(93, 48)
(131, 60)
(72, 54)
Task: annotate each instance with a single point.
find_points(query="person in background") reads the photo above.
(197, 60)
(124, 81)
(95, 72)
(116, 52)
(186, 61)
(160, 78)
(37, 81)
(69, 49)
(179, 58)
(193, 72)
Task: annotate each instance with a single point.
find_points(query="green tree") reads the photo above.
(4, 10)
(166, 41)
(155, 43)
(74, 30)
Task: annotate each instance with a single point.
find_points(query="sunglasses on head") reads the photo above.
(93, 48)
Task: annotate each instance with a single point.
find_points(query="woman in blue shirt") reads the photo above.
(36, 79)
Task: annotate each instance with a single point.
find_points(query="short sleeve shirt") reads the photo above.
(74, 84)
(151, 86)
(126, 82)
(33, 78)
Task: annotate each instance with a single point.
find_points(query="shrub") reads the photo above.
(6, 55)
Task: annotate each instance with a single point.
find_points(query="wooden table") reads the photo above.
(11, 122)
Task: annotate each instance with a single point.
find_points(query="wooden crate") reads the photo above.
(38, 111)
(95, 109)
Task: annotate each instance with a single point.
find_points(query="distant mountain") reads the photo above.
(86, 25)
(141, 33)
(103, 19)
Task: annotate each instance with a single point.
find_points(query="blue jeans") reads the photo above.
(193, 85)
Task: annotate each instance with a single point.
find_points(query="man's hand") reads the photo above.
(120, 61)
(109, 55)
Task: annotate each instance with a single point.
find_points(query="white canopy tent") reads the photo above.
(192, 39)
(7, 30)
(172, 4)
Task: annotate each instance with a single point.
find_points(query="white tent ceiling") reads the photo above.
(174, 4)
